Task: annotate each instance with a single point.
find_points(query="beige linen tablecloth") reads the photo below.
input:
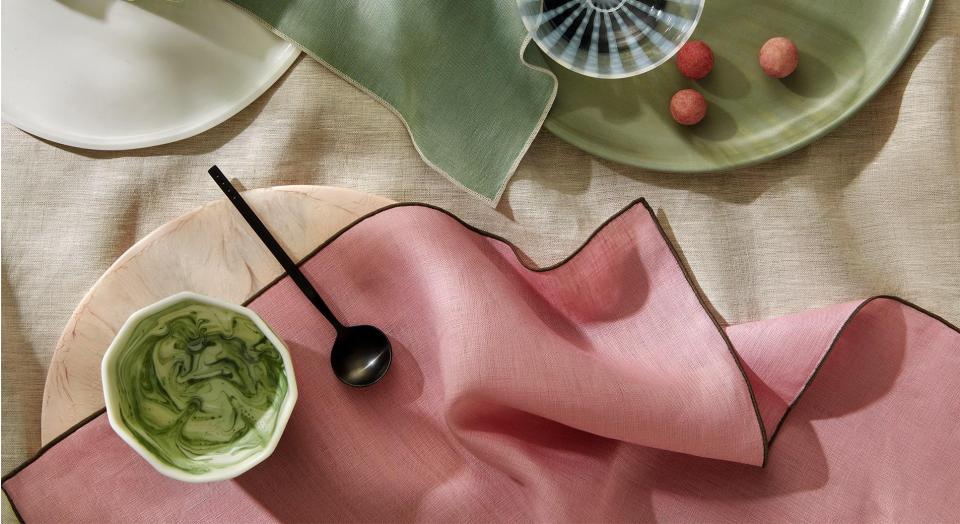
(874, 207)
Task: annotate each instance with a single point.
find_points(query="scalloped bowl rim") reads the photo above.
(112, 398)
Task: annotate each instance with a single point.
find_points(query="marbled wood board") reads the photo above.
(211, 251)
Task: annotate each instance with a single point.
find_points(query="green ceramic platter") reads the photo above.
(848, 50)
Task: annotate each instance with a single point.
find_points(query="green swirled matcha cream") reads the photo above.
(201, 388)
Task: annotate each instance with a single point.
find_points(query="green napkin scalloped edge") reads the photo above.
(456, 73)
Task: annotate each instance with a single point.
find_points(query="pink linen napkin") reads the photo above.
(597, 390)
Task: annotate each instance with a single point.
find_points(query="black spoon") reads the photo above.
(361, 355)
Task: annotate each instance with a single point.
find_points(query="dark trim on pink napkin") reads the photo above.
(53, 443)
(836, 338)
(40, 453)
(521, 258)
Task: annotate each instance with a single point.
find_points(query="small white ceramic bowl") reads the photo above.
(112, 396)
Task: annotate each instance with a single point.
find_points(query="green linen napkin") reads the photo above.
(454, 71)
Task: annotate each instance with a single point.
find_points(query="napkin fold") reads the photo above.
(456, 73)
(597, 390)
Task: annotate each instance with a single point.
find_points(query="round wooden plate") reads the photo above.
(211, 251)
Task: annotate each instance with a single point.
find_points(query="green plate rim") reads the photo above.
(611, 154)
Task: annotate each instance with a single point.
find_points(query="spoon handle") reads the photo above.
(261, 230)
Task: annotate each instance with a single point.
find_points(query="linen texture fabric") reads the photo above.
(456, 73)
(600, 389)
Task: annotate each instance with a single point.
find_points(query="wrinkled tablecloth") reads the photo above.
(597, 390)
(872, 208)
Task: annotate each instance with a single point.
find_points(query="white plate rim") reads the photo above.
(23, 122)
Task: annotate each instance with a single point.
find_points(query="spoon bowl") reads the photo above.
(361, 355)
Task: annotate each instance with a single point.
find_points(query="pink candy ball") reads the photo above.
(688, 107)
(779, 57)
(695, 59)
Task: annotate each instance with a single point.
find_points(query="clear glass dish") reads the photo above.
(610, 38)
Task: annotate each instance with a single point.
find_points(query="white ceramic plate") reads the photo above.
(112, 74)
